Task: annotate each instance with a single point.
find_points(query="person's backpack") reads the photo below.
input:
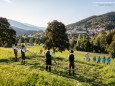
(71, 58)
(48, 56)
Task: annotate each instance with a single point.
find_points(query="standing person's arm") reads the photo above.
(25, 49)
(68, 56)
(50, 53)
(14, 49)
(74, 57)
(17, 49)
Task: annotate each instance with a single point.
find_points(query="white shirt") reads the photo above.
(23, 49)
(87, 57)
(15, 48)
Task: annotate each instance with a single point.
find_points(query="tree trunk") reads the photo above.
(53, 50)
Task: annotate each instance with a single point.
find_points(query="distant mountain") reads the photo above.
(24, 28)
(106, 21)
(22, 31)
(41, 28)
(24, 25)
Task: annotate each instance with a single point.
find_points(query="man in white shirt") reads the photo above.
(15, 51)
(23, 50)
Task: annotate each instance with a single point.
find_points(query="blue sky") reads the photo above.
(40, 12)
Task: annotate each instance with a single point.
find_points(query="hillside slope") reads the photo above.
(106, 21)
(24, 25)
(22, 31)
(33, 72)
(24, 28)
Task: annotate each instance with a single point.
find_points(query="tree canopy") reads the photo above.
(55, 36)
(7, 34)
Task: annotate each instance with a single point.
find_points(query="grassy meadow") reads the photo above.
(33, 72)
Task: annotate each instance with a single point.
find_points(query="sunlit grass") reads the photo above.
(33, 72)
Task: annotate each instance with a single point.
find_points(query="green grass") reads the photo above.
(33, 72)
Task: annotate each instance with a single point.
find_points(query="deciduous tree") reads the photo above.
(55, 36)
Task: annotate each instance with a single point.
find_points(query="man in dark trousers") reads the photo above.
(23, 50)
(71, 62)
(48, 56)
(15, 52)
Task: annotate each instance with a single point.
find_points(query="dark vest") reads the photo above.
(48, 56)
(71, 58)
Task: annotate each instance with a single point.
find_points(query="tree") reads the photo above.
(7, 34)
(31, 40)
(114, 37)
(78, 42)
(107, 48)
(109, 37)
(72, 43)
(96, 43)
(55, 36)
(103, 42)
(20, 41)
(37, 41)
(82, 44)
(109, 26)
(25, 41)
(87, 46)
(112, 49)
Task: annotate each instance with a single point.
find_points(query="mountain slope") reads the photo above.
(106, 21)
(22, 31)
(24, 26)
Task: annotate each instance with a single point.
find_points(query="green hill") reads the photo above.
(106, 21)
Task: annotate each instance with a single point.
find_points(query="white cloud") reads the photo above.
(8, 1)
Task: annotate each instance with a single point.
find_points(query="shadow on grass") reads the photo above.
(111, 84)
(59, 58)
(91, 64)
(12, 59)
(65, 73)
(78, 77)
(37, 66)
(9, 60)
(4, 60)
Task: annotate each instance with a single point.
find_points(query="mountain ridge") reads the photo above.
(24, 28)
(22, 31)
(106, 21)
